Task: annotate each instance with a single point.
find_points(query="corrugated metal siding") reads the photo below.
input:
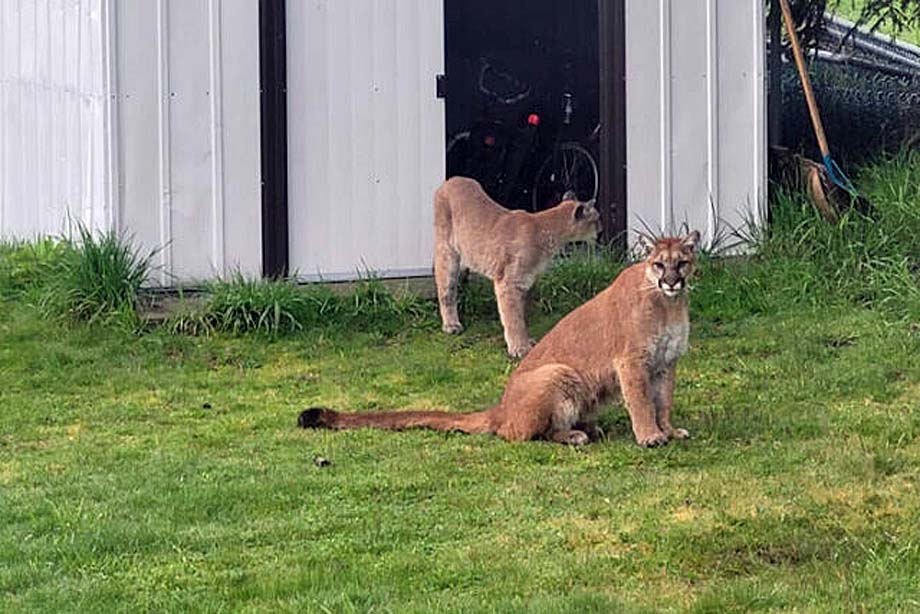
(695, 114)
(53, 103)
(366, 135)
(137, 115)
(188, 133)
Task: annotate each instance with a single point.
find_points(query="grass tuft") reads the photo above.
(372, 307)
(240, 304)
(93, 279)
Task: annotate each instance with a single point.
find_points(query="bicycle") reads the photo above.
(569, 169)
(519, 158)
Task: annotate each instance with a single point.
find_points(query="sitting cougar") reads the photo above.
(629, 336)
(512, 248)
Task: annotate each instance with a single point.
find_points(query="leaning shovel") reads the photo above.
(837, 176)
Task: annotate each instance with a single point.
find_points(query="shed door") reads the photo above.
(366, 135)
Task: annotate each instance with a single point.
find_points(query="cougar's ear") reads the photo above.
(591, 204)
(646, 244)
(691, 241)
(569, 195)
(579, 211)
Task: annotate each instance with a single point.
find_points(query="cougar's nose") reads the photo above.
(672, 285)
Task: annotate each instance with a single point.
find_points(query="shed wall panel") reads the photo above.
(188, 134)
(366, 135)
(646, 176)
(52, 106)
(742, 129)
(689, 102)
(235, 127)
(190, 149)
(137, 129)
(694, 114)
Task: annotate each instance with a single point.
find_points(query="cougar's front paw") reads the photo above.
(652, 440)
(520, 350)
(572, 438)
(452, 329)
(517, 352)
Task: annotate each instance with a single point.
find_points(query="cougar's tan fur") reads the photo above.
(512, 248)
(629, 336)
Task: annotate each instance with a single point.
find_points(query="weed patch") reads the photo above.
(27, 266)
(241, 305)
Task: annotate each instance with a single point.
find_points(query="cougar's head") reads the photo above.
(669, 262)
(584, 219)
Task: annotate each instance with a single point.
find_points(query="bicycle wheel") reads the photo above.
(569, 167)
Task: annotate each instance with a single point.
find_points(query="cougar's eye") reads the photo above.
(658, 266)
(683, 264)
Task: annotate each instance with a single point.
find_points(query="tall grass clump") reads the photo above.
(871, 259)
(272, 307)
(476, 297)
(370, 306)
(239, 304)
(97, 279)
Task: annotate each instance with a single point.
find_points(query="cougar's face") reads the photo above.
(670, 262)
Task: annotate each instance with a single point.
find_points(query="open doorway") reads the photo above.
(522, 98)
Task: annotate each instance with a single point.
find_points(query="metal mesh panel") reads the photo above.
(868, 91)
(865, 111)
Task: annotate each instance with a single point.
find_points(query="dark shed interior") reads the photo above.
(536, 51)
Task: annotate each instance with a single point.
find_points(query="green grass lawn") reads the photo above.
(162, 472)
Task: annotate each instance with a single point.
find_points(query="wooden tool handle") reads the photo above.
(806, 81)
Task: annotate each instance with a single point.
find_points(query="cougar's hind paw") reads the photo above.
(653, 441)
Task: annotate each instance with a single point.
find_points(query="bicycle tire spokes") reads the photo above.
(570, 167)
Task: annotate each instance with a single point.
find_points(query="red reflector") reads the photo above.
(533, 119)
(489, 140)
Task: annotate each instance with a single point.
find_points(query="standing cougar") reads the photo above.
(629, 336)
(512, 248)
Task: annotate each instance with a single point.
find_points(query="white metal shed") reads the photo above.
(265, 135)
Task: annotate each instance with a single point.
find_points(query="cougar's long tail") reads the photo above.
(320, 417)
